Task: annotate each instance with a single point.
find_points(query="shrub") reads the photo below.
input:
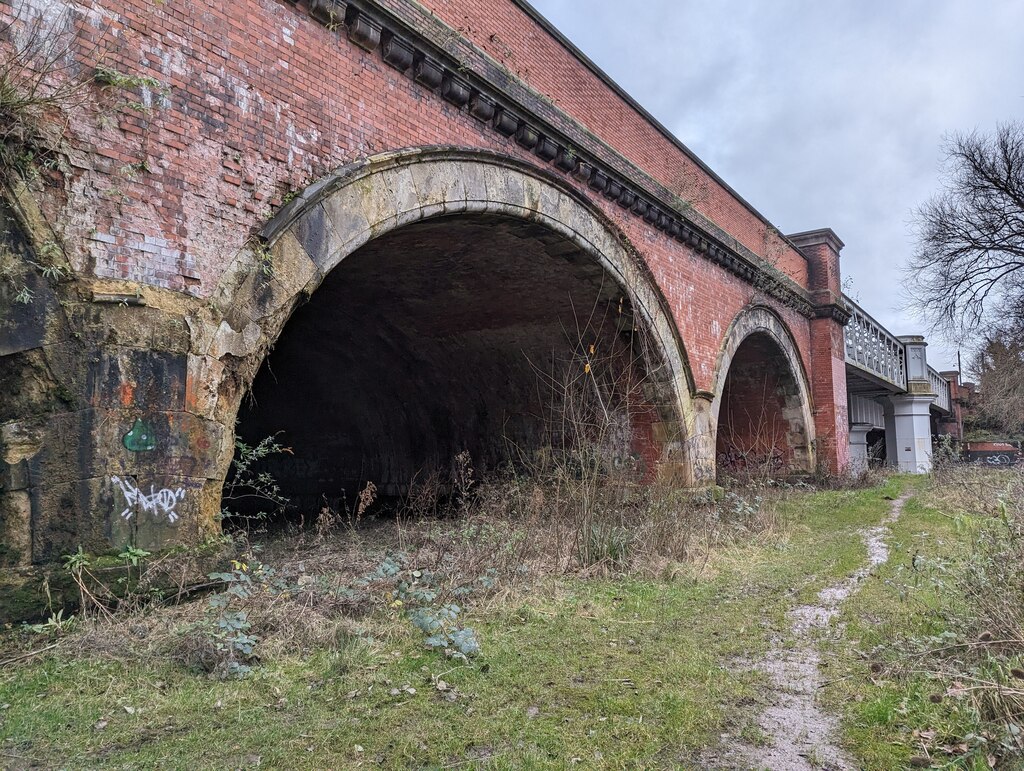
(976, 596)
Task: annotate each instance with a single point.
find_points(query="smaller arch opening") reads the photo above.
(762, 428)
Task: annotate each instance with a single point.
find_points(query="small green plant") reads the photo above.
(50, 251)
(107, 76)
(604, 543)
(122, 81)
(132, 170)
(231, 629)
(78, 565)
(264, 260)
(740, 511)
(55, 626)
(78, 561)
(418, 594)
(52, 272)
(132, 557)
(13, 271)
(95, 594)
(251, 495)
(419, 597)
(441, 625)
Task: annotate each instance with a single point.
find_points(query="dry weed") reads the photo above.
(980, 654)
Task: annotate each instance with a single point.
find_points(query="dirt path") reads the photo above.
(800, 734)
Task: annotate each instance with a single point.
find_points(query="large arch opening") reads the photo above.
(763, 422)
(472, 332)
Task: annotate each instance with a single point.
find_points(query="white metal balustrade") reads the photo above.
(941, 388)
(871, 347)
(874, 349)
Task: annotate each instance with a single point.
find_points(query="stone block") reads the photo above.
(475, 181)
(23, 325)
(240, 344)
(312, 234)
(344, 209)
(438, 183)
(155, 512)
(202, 386)
(504, 186)
(141, 379)
(391, 196)
(66, 452)
(15, 528)
(55, 534)
(262, 297)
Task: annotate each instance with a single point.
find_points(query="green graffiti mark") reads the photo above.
(140, 438)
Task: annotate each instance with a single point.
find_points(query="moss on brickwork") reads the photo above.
(31, 594)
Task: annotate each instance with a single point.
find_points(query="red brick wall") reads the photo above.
(262, 99)
(828, 354)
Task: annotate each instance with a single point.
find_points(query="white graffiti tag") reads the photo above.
(158, 501)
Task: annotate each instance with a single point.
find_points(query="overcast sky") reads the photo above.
(820, 113)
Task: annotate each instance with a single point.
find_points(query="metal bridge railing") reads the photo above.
(941, 388)
(872, 347)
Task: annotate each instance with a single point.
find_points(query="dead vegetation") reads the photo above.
(40, 85)
(349, 581)
(582, 506)
(975, 594)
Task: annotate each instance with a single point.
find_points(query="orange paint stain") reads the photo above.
(127, 394)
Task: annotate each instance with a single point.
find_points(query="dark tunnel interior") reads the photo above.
(440, 337)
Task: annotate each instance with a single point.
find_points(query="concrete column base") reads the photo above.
(859, 448)
(908, 433)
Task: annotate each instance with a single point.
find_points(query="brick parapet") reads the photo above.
(511, 34)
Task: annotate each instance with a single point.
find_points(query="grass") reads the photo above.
(898, 700)
(630, 671)
(881, 713)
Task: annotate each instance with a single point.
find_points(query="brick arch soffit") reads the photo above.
(750, 321)
(335, 216)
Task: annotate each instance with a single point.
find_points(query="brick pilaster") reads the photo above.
(828, 348)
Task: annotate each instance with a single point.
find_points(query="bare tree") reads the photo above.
(999, 370)
(968, 269)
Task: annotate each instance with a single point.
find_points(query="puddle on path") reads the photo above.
(800, 735)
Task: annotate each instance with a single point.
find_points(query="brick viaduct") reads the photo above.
(383, 219)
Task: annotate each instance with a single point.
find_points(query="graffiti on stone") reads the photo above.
(999, 460)
(160, 503)
(141, 437)
(994, 459)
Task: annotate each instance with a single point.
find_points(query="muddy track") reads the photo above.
(800, 734)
